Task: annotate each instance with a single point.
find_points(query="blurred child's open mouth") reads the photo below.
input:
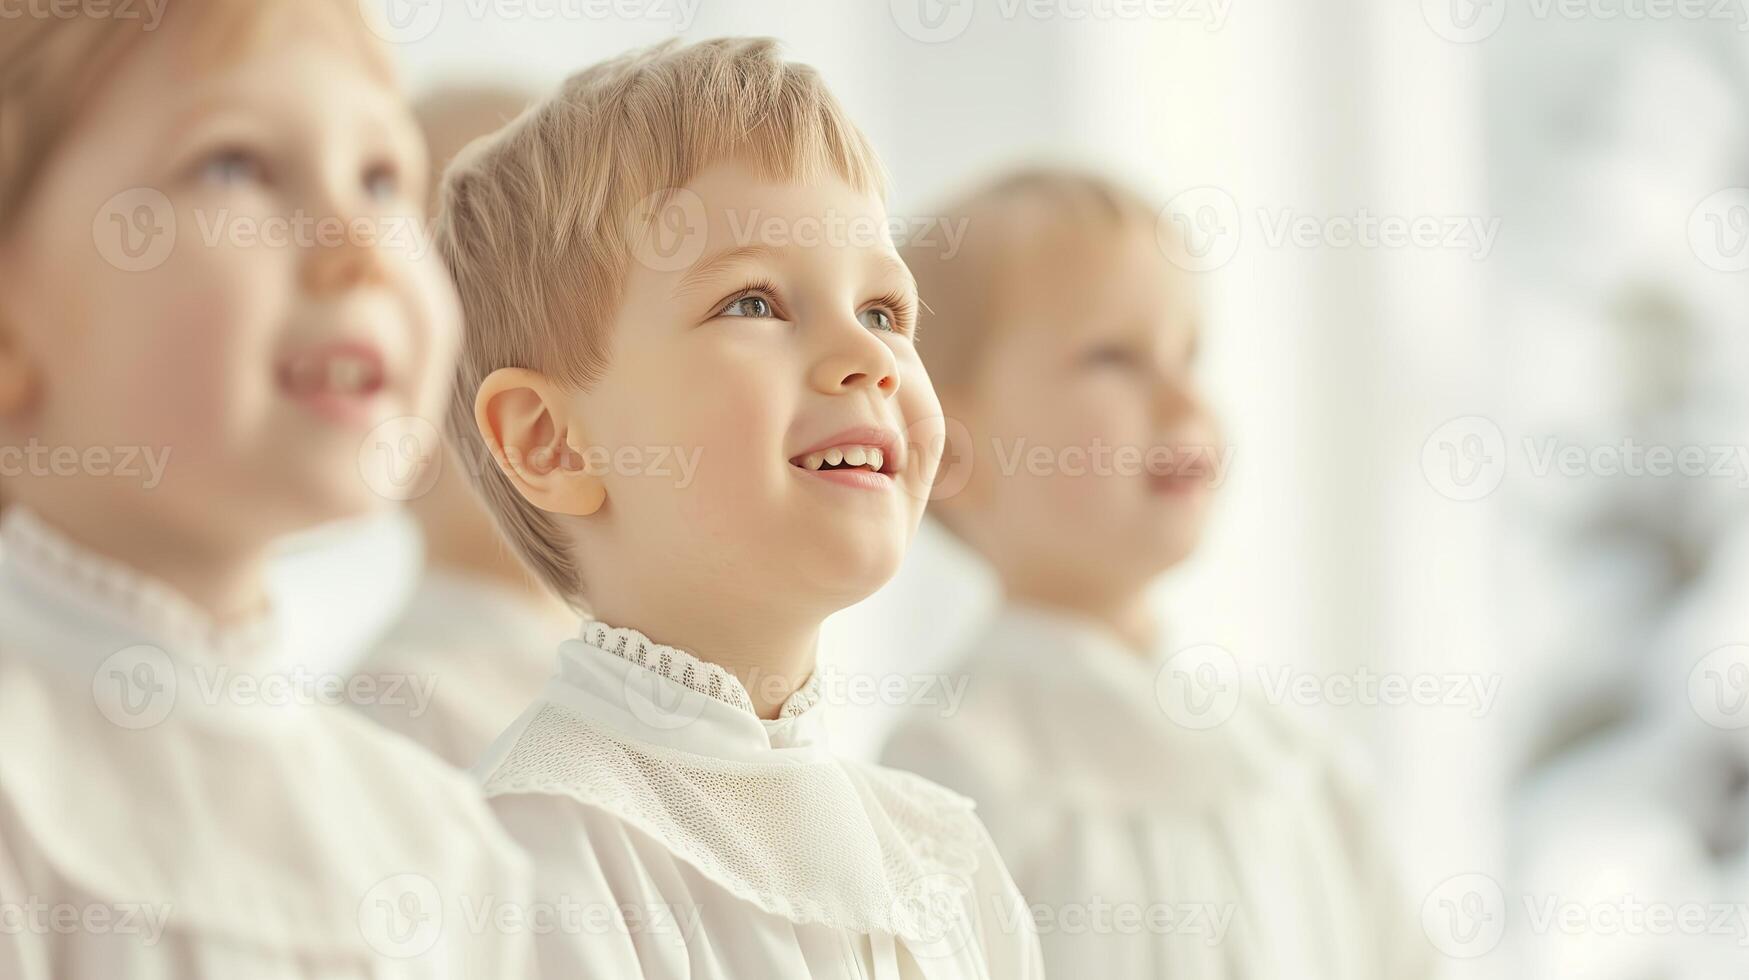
(867, 458)
(1187, 472)
(340, 382)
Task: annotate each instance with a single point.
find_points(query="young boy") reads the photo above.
(1235, 851)
(690, 350)
(176, 798)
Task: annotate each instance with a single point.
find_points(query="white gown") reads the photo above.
(473, 654)
(1153, 850)
(168, 809)
(735, 847)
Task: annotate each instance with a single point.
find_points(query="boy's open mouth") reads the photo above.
(337, 380)
(864, 456)
(869, 458)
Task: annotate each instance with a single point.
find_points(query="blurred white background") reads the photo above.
(1391, 404)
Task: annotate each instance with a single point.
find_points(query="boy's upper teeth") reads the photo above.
(869, 456)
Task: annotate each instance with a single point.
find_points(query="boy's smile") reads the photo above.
(865, 457)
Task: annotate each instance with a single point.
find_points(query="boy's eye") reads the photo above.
(1110, 356)
(876, 318)
(382, 182)
(231, 167)
(755, 306)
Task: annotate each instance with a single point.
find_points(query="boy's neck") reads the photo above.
(227, 583)
(1128, 615)
(771, 659)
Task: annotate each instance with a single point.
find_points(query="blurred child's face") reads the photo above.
(254, 303)
(1094, 453)
(780, 367)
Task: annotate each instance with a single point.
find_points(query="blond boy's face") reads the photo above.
(771, 423)
(253, 303)
(1095, 456)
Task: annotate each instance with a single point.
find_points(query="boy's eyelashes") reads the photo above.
(757, 300)
(891, 313)
(897, 310)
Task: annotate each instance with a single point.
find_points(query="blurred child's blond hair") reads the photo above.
(1007, 223)
(537, 222)
(52, 64)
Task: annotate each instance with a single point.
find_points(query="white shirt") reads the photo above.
(732, 847)
(175, 803)
(1150, 849)
(468, 656)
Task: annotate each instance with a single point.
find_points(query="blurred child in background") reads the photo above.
(210, 292)
(479, 626)
(1064, 342)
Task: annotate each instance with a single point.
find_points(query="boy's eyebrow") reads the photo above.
(898, 267)
(709, 265)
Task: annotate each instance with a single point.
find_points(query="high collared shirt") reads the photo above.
(201, 809)
(731, 846)
(1162, 835)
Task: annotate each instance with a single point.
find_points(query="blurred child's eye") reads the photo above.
(231, 167)
(382, 182)
(1109, 356)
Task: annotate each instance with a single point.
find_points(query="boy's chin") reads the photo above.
(327, 500)
(851, 569)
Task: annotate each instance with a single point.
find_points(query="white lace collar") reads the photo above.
(689, 671)
(95, 591)
(670, 744)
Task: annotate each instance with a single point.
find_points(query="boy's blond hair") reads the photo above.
(1008, 222)
(537, 221)
(51, 65)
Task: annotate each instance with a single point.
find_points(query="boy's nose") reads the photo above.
(333, 268)
(866, 362)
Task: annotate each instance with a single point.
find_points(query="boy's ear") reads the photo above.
(522, 417)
